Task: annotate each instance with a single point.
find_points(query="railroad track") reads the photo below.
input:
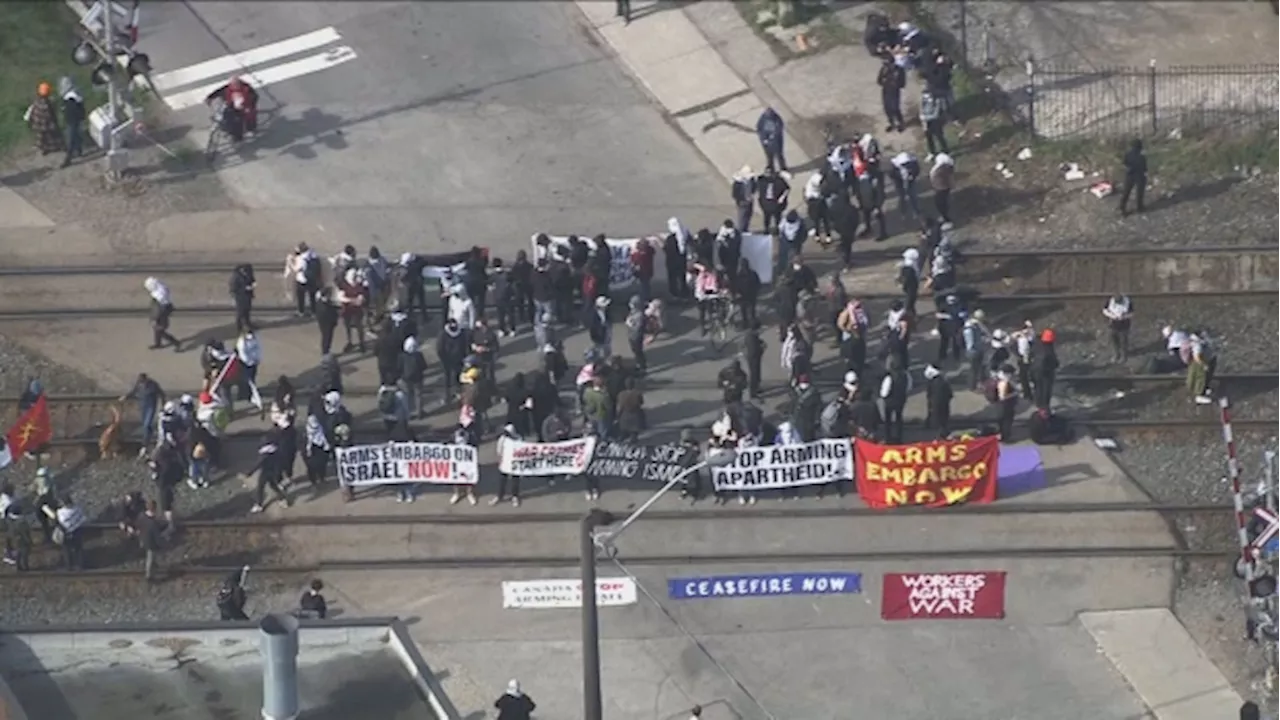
(215, 548)
(999, 277)
(77, 418)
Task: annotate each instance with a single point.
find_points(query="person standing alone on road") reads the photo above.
(241, 287)
(1119, 314)
(770, 129)
(515, 705)
(1135, 177)
(892, 79)
(161, 312)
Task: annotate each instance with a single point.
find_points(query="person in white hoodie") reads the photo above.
(819, 220)
(461, 309)
(942, 177)
(161, 312)
(249, 353)
(302, 269)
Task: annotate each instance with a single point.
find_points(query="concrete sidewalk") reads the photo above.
(686, 75)
(1163, 664)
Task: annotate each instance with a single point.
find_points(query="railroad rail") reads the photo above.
(988, 301)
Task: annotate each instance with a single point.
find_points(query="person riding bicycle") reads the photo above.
(710, 291)
(240, 109)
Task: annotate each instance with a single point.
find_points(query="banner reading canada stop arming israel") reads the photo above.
(407, 462)
(934, 474)
(756, 248)
(771, 467)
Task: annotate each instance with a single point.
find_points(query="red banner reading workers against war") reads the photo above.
(945, 472)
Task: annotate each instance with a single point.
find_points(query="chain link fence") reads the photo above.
(1068, 102)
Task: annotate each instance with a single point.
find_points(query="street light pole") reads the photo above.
(592, 700)
(589, 540)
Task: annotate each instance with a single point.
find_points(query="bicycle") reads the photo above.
(217, 133)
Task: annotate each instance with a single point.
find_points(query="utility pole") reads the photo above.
(113, 101)
(592, 698)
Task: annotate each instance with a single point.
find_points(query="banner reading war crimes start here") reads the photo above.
(407, 462)
(772, 467)
(654, 463)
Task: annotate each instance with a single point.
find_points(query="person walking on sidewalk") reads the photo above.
(770, 129)
(892, 79)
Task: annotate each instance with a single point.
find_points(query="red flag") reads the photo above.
(32, 430)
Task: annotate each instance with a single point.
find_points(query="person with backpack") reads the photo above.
(938, 396)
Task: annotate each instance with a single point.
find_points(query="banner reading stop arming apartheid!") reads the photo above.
(532, 459)
(934, 474)
(407, 462)
(773, 467)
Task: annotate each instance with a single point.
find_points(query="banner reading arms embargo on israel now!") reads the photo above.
(407, 462)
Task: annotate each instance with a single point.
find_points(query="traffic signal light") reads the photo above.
(139, 64)
(101, 75)
(84, 54)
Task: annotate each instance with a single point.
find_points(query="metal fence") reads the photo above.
(1133, 101)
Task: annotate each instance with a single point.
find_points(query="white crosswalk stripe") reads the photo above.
(187, 87)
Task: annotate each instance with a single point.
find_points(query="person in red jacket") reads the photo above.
(241, 107)
(642, 266)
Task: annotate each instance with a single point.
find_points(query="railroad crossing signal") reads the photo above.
(1269, 533)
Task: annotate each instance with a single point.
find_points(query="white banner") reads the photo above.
(408, 462)
(756, 248)
(541, 594)
(772, 467)
(526, 459)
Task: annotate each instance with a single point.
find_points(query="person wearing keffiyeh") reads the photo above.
(161, 312)
(317, 452)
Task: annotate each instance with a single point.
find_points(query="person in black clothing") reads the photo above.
(753, 348)
(521, 278)
(864, 415)
(733, 382)
(452, 347)
(622, 9)
(231, 598)
(168, 467)
(150, 538)
(326, 310)
(772, 191)
(894, 389)
(519, 403)
(1250, 711)
(909, 279)
(387, 353)
(675, 250)
(892, 79)
(729, 247)
(562, 288)
(413, 372)
(476, 280)
(543, 293)
(746, 292)
(938, 395)
(515, 705)
(951, 316)
(269, 471)
(241, 287)
(73, 115)
(1135, 177)
(312, 604)
(411, 284)
(1044, 369)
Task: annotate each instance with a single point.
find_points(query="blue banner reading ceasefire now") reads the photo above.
(726, 586)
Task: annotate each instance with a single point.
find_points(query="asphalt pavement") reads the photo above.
(451, 123)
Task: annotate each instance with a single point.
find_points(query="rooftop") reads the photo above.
(346, 670)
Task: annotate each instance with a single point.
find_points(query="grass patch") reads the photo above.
(36, 40)
(813, 18)
(1189, 159)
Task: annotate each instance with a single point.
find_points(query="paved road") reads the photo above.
(450, 122)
